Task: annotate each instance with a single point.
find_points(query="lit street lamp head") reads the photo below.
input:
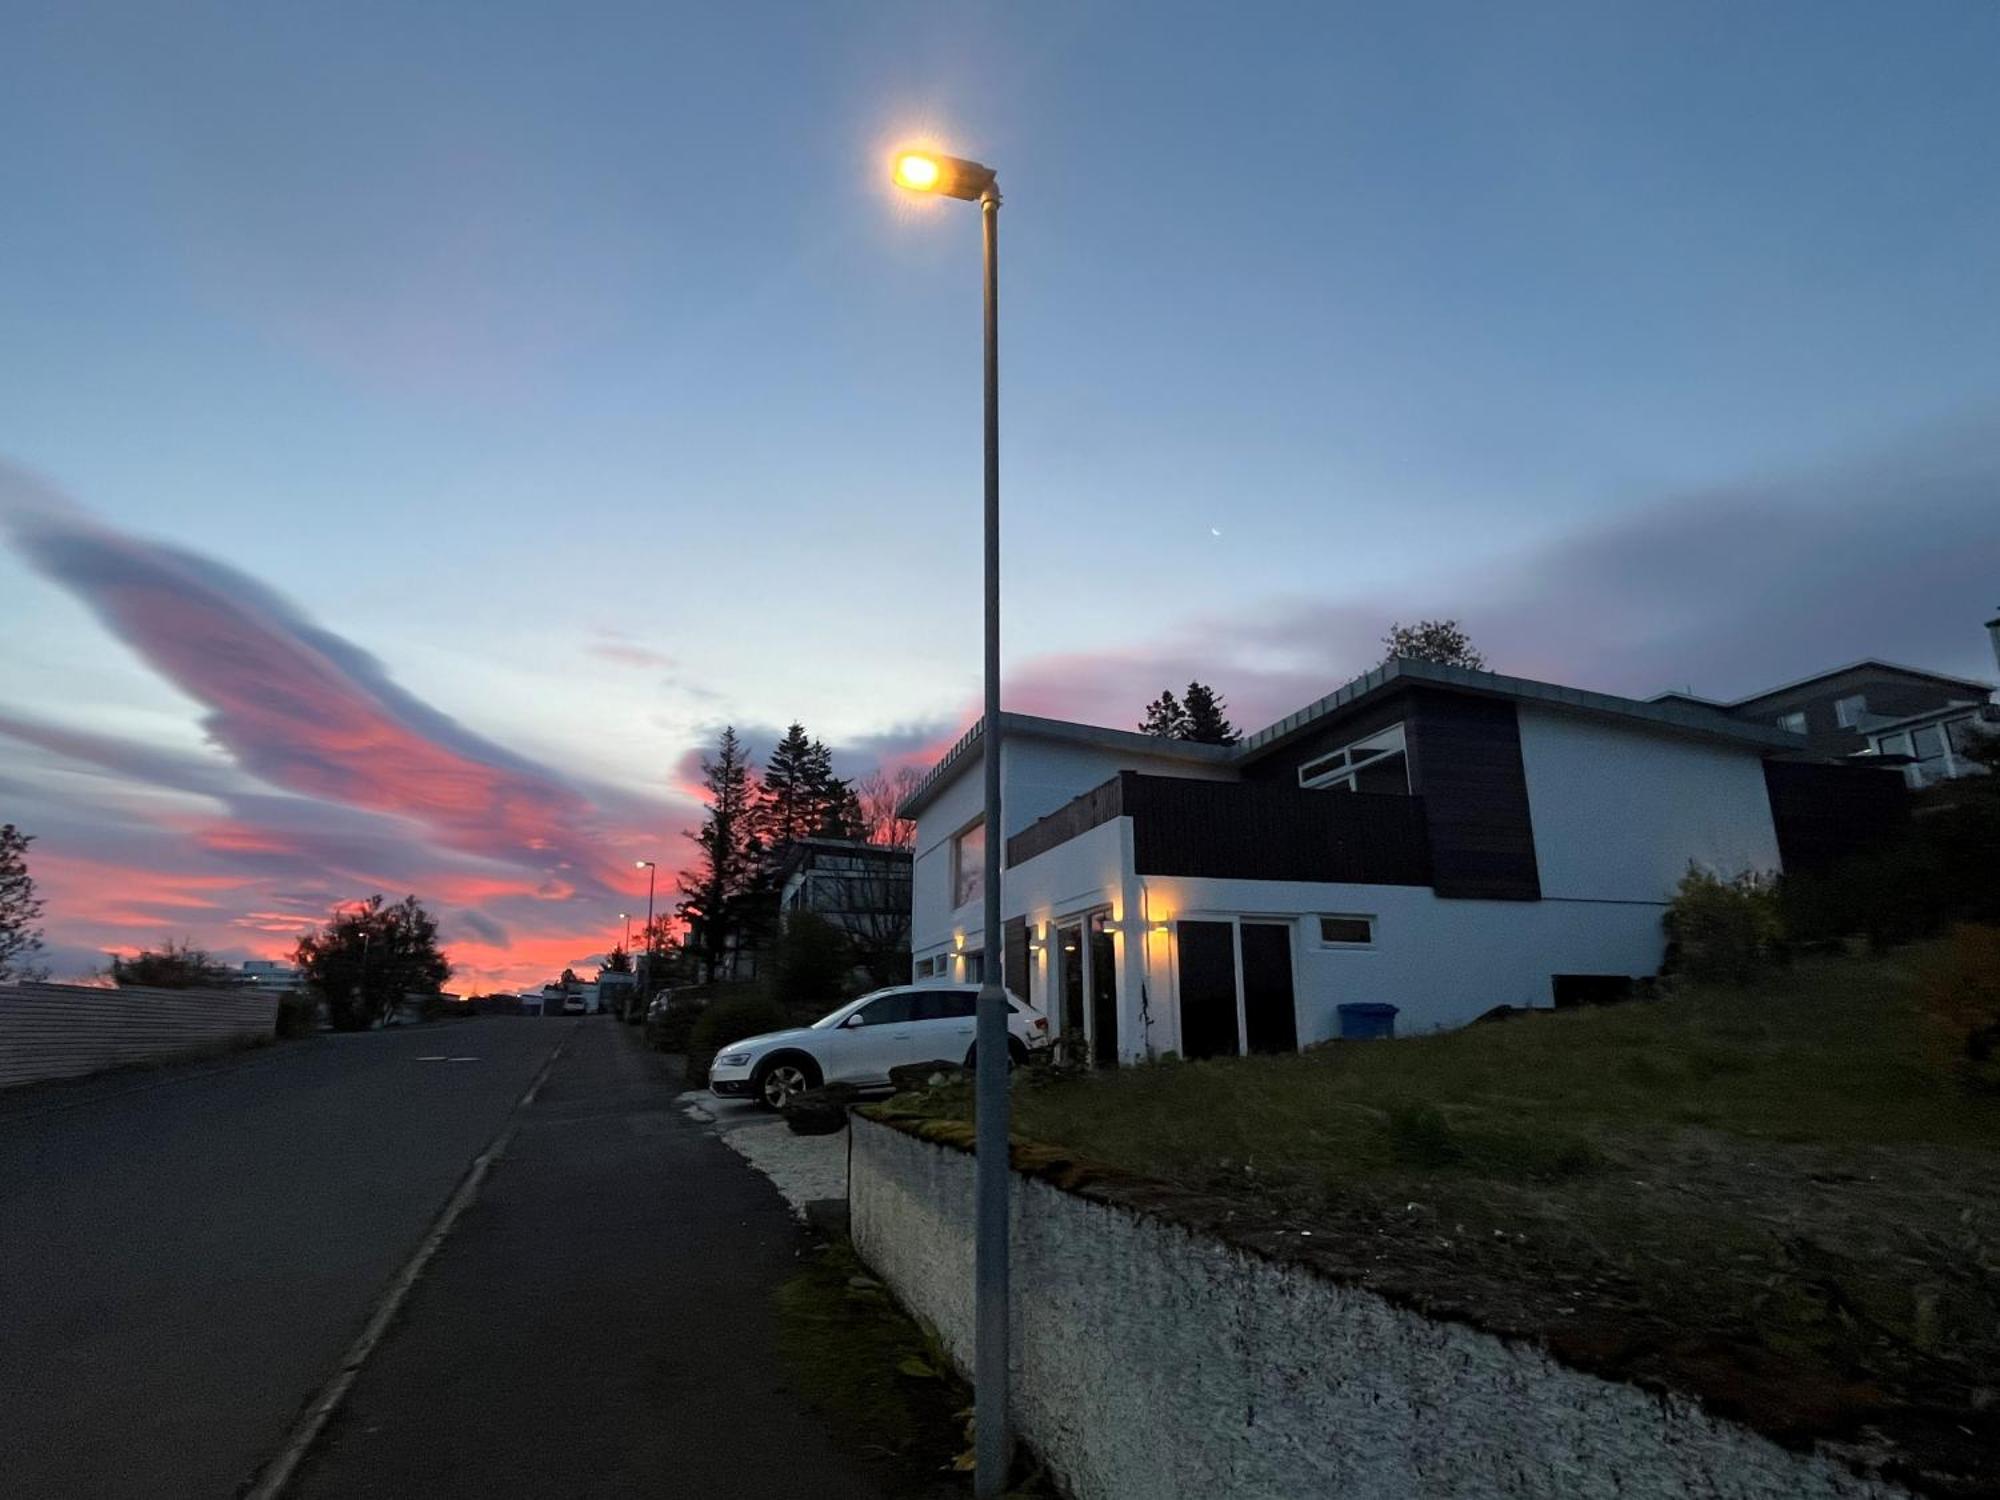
(953, 176)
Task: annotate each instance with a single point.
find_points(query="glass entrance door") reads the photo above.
(1208, 989)
(1070, 1034)
(1270, 1016)
(1103, 983)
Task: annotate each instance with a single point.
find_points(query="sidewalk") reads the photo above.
(600, 1323)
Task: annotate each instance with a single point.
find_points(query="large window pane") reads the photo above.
(968, 865)
(1390, 774)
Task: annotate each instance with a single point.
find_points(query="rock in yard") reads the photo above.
(821, 1111)
(924, 1075)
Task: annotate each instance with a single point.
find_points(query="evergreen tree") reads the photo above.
(719, 890)
(617, 961)
(800, 797)
(1165, 717)
(787, 805)
(20, 938)
(1440, 641)
(1206, 720)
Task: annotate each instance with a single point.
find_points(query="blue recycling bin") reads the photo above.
(1366, 1022)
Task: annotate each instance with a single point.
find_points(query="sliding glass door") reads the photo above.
(1236, 988)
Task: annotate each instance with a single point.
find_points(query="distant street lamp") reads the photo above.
(626, 918)
(955, 177)
(652, 875)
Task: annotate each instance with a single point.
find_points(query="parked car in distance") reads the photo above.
(861, 1041)
(574, 1005)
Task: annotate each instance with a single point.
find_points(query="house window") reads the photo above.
(1929, 742)
(1847, 712)
(1346, 932)
(974, 971)
(1894, 744)
(925, 968)
(1966, 735)
(1795, 723)
(1379, 763)
(968, 865)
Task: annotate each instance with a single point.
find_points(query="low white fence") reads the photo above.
(1157, 1363)
(68, 1030)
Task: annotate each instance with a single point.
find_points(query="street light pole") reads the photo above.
(956, 178)
(652, 875)
(990, 1095)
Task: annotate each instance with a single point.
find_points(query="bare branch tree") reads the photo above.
(881, 793)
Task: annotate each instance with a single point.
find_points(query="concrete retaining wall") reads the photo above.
(1154, 1363)
(68, 1030)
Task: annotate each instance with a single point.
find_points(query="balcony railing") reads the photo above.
(1235, 830)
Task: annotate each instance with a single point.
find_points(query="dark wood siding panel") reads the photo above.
(1079, 815)
(1232, 830)
(1823, 813)
(1465, 756)
(1014, 955)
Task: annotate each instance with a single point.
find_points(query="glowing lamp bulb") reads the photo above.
(917, 172)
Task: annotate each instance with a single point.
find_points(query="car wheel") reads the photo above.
(778, 1080)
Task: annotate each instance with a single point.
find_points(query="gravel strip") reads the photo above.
(802, 1167)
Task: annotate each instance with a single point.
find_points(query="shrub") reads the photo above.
(672, 1030)
(1959, 995)
(1938, 870)
(1722, 931)
(813, 964)
(298, 1014)
(731, 1020)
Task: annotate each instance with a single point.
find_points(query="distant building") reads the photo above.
(1920, 720)
(269, 974)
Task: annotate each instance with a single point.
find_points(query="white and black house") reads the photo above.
(1418, 848)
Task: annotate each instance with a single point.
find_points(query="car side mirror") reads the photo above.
(853, 1020)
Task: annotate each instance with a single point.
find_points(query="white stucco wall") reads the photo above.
(1620, 812)
(1152, 1363)
(1037, 777)
(1443, 962)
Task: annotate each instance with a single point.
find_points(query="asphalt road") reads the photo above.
(185, 1256)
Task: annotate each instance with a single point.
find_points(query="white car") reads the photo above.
(860, 1042)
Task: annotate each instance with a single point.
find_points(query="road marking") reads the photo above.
(273, 1479)
(473, 1059)
(434, 1057)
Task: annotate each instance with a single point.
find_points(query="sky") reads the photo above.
(423, 427)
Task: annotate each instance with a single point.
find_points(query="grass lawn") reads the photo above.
(1779, 1199)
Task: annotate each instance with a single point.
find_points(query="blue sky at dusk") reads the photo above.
(423, 427)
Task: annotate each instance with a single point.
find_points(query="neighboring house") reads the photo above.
(1420, 847)
(854, 885)
(1926, 719)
